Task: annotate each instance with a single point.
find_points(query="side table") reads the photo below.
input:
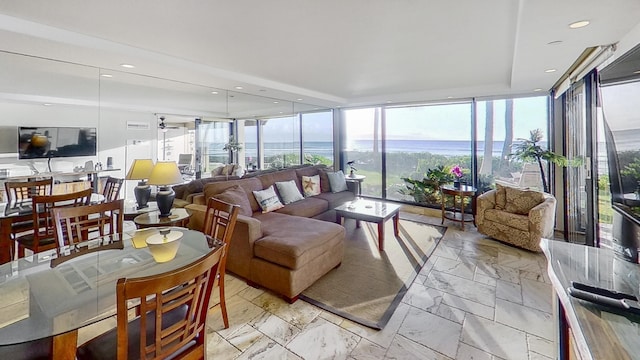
(457, 213)
(130, 213)
(179, 217)
(357, 179)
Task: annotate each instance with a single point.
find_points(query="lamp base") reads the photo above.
(142, 192)
(164, 198)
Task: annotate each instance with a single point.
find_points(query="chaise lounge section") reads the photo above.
(285, 250)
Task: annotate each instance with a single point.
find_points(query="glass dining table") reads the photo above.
(55, 293)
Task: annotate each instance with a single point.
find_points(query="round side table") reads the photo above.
(179, 217)
(457, 213)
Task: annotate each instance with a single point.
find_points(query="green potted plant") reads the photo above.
(232, 146)
(529, 150)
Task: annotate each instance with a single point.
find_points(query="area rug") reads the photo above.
(368, 286)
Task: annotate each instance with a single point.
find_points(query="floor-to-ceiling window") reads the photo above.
(406, 152)
(213, 136)
(251, 144)
(363, 145)
(500, 124)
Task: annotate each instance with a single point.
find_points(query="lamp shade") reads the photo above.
(165, 173)
(140, 169)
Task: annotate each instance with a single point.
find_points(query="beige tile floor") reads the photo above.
(475, 299)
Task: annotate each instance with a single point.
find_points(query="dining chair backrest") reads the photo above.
(219, 222)
(111, 188)
(173, 305)
(77, 224)
(42, 206)
(23, 191)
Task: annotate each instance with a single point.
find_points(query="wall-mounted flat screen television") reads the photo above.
(49, 142)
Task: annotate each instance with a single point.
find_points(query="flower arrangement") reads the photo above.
(457, 171)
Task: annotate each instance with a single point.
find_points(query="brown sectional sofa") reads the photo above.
(288, 249)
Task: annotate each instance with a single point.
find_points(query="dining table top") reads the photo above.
(54, 292)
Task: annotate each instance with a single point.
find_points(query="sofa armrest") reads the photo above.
(198, 199)
(542, 219)
(484, 202)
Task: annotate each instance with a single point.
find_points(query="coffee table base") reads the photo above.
(380, 222)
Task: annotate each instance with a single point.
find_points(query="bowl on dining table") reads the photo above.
(164, 245)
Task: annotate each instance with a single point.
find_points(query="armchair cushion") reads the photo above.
(521, 201)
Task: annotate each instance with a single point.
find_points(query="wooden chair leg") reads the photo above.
(223, 304)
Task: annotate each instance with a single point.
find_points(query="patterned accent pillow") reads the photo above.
(311, 185)
(289, 191)
(501, 197)
(236, 195)
(268, 200)
(521, 201)
(337, 181)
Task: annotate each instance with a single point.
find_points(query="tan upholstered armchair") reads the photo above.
(518, 217)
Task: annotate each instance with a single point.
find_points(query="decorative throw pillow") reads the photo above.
(521, 201)
(289, 191)
(267, 199)
(501, 197)
(237, 196)
(311, 185)
(337, 181)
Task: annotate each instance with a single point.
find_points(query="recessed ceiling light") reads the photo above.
(299, 99)
(46, 104)
(579, 24)
(637, 72)
(537, 89)
(215, 92)
(128, 66)
(389, 101)
(554, 42)
(107, 75)
(550, 70)
(281, 112)
(275, 102)
(239, 88)
(449, 97)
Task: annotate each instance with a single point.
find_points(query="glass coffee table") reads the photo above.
(370, 211)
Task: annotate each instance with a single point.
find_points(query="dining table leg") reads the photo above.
(5, 240)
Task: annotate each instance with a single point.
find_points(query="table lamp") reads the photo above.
(165, 173)
(141, 170)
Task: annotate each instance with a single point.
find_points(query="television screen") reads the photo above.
(48, 142)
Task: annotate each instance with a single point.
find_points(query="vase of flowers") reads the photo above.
(457, 173)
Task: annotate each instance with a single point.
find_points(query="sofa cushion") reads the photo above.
(268, 199)
(194, 186)
(236, 195)
(309, 207)
(337, 181)
(325, 187)
(311, 185)
(293, 249)
(278, 176)
(288, 191)
(336, 199)
(180, 190)
(249, 185)
(521, 201)
(310, 170)
(501, 197)
(510, 219)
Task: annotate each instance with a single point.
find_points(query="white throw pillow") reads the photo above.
(268, 200)
(289, 191)
(311, 185)
(337, 181)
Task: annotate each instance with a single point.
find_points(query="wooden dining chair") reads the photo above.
(74, 225)
(20, 193)
(42, 237)
(219, 222)
(111, 188)
(170, 320)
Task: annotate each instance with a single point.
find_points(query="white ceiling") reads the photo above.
(330, 52)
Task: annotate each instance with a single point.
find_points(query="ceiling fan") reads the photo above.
(163, 126)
